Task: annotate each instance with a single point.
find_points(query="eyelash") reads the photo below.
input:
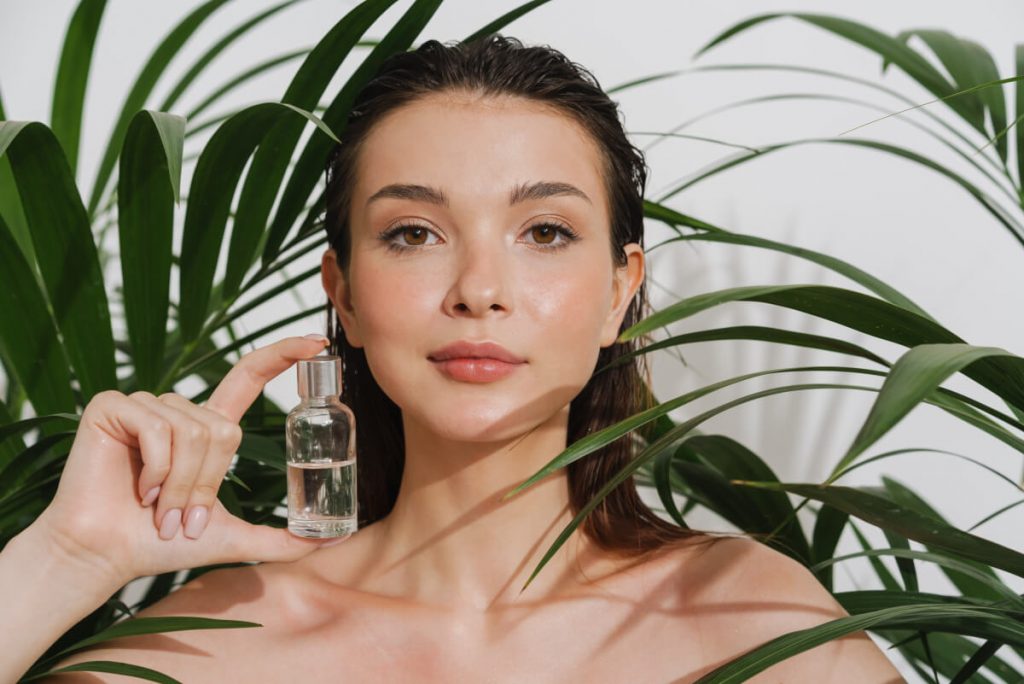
(565, 231)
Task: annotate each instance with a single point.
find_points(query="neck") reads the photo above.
(450, 538)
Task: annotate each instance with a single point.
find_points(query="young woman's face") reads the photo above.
(481, 268)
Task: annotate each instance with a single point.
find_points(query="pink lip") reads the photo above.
(475, 362)
(476, 370)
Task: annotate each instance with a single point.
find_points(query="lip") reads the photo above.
(464, 349)
(475, 361)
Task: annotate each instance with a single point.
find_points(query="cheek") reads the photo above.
(569, 306)
(394, 307)
(390, 300)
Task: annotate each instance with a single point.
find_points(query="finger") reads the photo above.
(246, 379)
(225, 437)
(135, 424)
(190, 440)
(245, 541)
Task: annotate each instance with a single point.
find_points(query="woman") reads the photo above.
(484, 216)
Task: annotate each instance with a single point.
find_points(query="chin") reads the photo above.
(476, 424)
(473, 420)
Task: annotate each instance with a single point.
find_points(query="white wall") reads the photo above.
(911, 227)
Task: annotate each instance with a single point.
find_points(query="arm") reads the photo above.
(98, 533)
(46, 593)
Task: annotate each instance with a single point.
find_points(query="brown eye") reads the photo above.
(545, 233)
(406, 237)
(417, 231)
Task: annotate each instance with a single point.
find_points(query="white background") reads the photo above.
(911, 227)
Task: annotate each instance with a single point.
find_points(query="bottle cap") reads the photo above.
(319, 376)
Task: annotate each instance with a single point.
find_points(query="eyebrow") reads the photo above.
(519, 193)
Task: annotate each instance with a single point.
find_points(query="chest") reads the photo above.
(588, 641)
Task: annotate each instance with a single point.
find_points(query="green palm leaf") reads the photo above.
(148, 186)
(719, 459)
(751, 332)
(31, 350)
(269, 164)
(73, 75)
(913, 377)
(715, 234)
(917, 107)
(889, 48)
(970, 155)
(154, 625)
(211, 53)
(998, 212)
(969, 620)
(967, 584)
(134, 627)
(969, 64)
(112, 667)
(829, 524)
(67, 258)
(213, 184)
(1019, 125)
(145, 82)
(889, 515)
(232, 83)
(991, 588)
(865, 601)
(11, 428)
(982, 656)
(861, 312)
(11, 212)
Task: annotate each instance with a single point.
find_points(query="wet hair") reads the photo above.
(498, 66)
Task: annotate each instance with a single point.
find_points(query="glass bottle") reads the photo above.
(320, 445)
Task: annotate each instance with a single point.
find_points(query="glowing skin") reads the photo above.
(482, 270)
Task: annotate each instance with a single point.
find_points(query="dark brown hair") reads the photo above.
(501, 66)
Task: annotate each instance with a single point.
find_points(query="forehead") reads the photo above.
(478, 149)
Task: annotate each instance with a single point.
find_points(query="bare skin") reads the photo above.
(431, 593)
(671, 617)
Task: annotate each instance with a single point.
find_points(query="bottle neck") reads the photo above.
(320, 400)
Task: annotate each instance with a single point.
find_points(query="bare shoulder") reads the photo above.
(226, 593)
(753, 594)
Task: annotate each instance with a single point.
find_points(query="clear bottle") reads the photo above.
(320, 442)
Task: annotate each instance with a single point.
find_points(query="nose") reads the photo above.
(480, 284)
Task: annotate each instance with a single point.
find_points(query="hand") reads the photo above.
(176, 452)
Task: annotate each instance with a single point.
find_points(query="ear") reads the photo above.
(627, 281)
(336, 286)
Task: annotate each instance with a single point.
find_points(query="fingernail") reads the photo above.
(171, 521)
(197, 519)
(150, 496)
(316, 336)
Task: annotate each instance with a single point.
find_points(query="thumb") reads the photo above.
(265, 543)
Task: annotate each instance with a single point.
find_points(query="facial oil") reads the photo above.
(320, 441)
